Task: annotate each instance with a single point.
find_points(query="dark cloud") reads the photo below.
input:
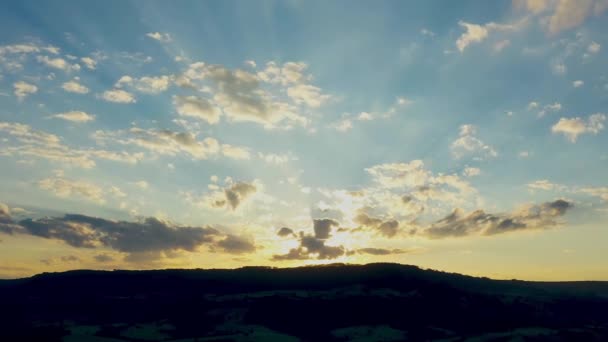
(540, 216)
(238, 192)
(7, 225)
(151, 236)
(103, 258)
(63, 259)
(311, 247)
(323, 227)
(236, 245)
(381, 251)
(235, 194)
(284, 231)
(388, 228)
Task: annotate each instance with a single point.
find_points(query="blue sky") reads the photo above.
(417, 132)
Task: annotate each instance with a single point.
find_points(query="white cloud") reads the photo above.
(427, 32)
(23, 89)
(469, 144)
(555, 107)
(569, 14)
(578, 83)
(75, 116)
(471, 171)
(161, 37)
(594, 47)
(501, 45)
(89, 62)
(65, 188)
(235, 152)
(475, 33)
(33, 143)
(142, 184)
(572, 128)
(118, 96)
(74, 87)
(197, 107)
(58, 63)
(307, 94)
(146, 84)
(543, 184)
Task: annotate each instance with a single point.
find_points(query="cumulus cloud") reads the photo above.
(167, 142)
(381, 251)
(272, 97)
(66, 188)
(75, 116)
(118, 96)
(388, 228)
(468, 144)
(311, 248)
(233, 244)
(457, 224)
(27, 142)
(161, 37)
(471, 171)
(89, 62)
(578, 83)
(562, 15)
(322, 228)
(197, 107)
(74, 87)
(58, 63)
(285, 231)
(571, 128)
(475, 33)
(23, 89)
(146, 84)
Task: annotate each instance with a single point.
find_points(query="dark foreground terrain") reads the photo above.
(376, 302)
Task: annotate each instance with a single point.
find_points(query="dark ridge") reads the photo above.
(336, 302)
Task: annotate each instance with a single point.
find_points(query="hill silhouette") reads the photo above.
(374, 302)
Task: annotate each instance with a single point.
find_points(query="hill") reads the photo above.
(374, 302)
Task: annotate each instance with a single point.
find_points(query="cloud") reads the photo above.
(307, 94)
(594, 47)
(569, 14)
(284, 231)
(161, 37)
(388, 228)
(74, 87)
(469, 144)
(103, 258)
(27, 142)
(571, 128)
(458, 224)
(381, 251)
(66, 188)
(475, 33)
(149, 236)
(58, 63)
(197, 107)
(146, 84)
(562, 15)
(543, 184)
(471, 172)
(75, 116)
(7, 225)
(323, 227)
(272, 97)
(578, 83)
(118, 96)
(311, 248)
(23, 89)
(231, 197)
(236, 245)
(89, 62)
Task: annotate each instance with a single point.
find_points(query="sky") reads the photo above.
(461, 136)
